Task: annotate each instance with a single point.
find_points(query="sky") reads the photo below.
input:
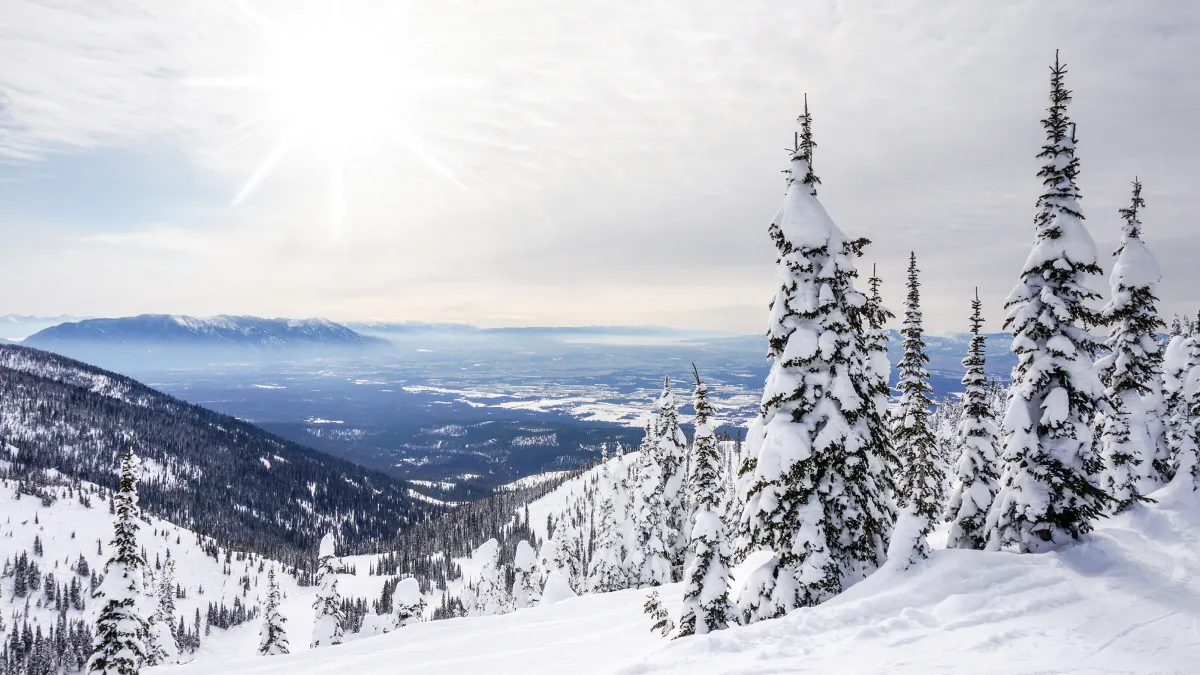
(538, 162)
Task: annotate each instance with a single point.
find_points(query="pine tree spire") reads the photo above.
(671, 455)
(706, 592)
(1132, 370)
(119, 647)
(813, 484)
(328, 627)
(919, 476)
(804, 149)
(975, 476)
(273, 637)
(1049, 492)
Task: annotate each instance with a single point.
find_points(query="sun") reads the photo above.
(336, 84)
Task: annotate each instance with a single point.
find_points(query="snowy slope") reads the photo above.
(68, 529)
(1126, 599)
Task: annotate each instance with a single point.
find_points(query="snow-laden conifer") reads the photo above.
(876, 338)
(119, 647)
(706, 580)
(919, 480)
(328, 626)
(272, 635)
(672, 461)
(1181, 387)
(527, 580)
(408, 604)
(647, 562)
(1049, 489)
(975, 477)
(562, 554)
(814, 488)
(606, 571)
(1131, 370)
(488, 592)
(162, 646)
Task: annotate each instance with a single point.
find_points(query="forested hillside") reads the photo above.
(208, 472)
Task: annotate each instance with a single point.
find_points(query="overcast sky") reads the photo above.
(515, 162)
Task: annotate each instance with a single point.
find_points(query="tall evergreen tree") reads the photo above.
(527, 581)
(672, 461)
(119, 648)
(329, 624)
(813, 486)
(975, 477)
(272, 637)
(162, 645)
(1181, 430)
(706, 592)
(1049, 489)
(605, 570)
(877, 338)
(1132, 369)
(647, 562)
(919, 472)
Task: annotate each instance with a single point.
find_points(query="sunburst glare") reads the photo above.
(338, 85)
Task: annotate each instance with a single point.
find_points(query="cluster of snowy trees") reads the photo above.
(138, 624)
(833, 483)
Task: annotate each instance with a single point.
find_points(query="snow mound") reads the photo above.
(1123, 600)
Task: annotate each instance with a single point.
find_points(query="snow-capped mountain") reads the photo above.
(189, 331)
(216, 474)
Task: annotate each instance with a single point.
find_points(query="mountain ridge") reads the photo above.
(223, 330)
(216, 474)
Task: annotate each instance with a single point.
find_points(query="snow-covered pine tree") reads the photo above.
(672, 460)
(490, 595)
(975, 477)
(1049, 490)
(876, 337)
(408, 605)
(814, 489)
(1181, 429)
(1131, 370)
(706, 580)
(919, 482)
(527, 581)
(119, 647)
(328, 625)
(162, 645)
(647, 562)
(605, 570)
(272, 636)
(561, 554)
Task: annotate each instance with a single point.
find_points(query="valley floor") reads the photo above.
(1126, 599)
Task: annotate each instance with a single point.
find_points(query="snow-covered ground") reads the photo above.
(68, 529)
(1125, 599)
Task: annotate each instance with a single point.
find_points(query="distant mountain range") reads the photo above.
(190, 331)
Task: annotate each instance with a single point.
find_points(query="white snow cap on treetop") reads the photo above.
(328, 547)
(1136, 266)
(408, 591)
(525, 558)
(802, 219)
